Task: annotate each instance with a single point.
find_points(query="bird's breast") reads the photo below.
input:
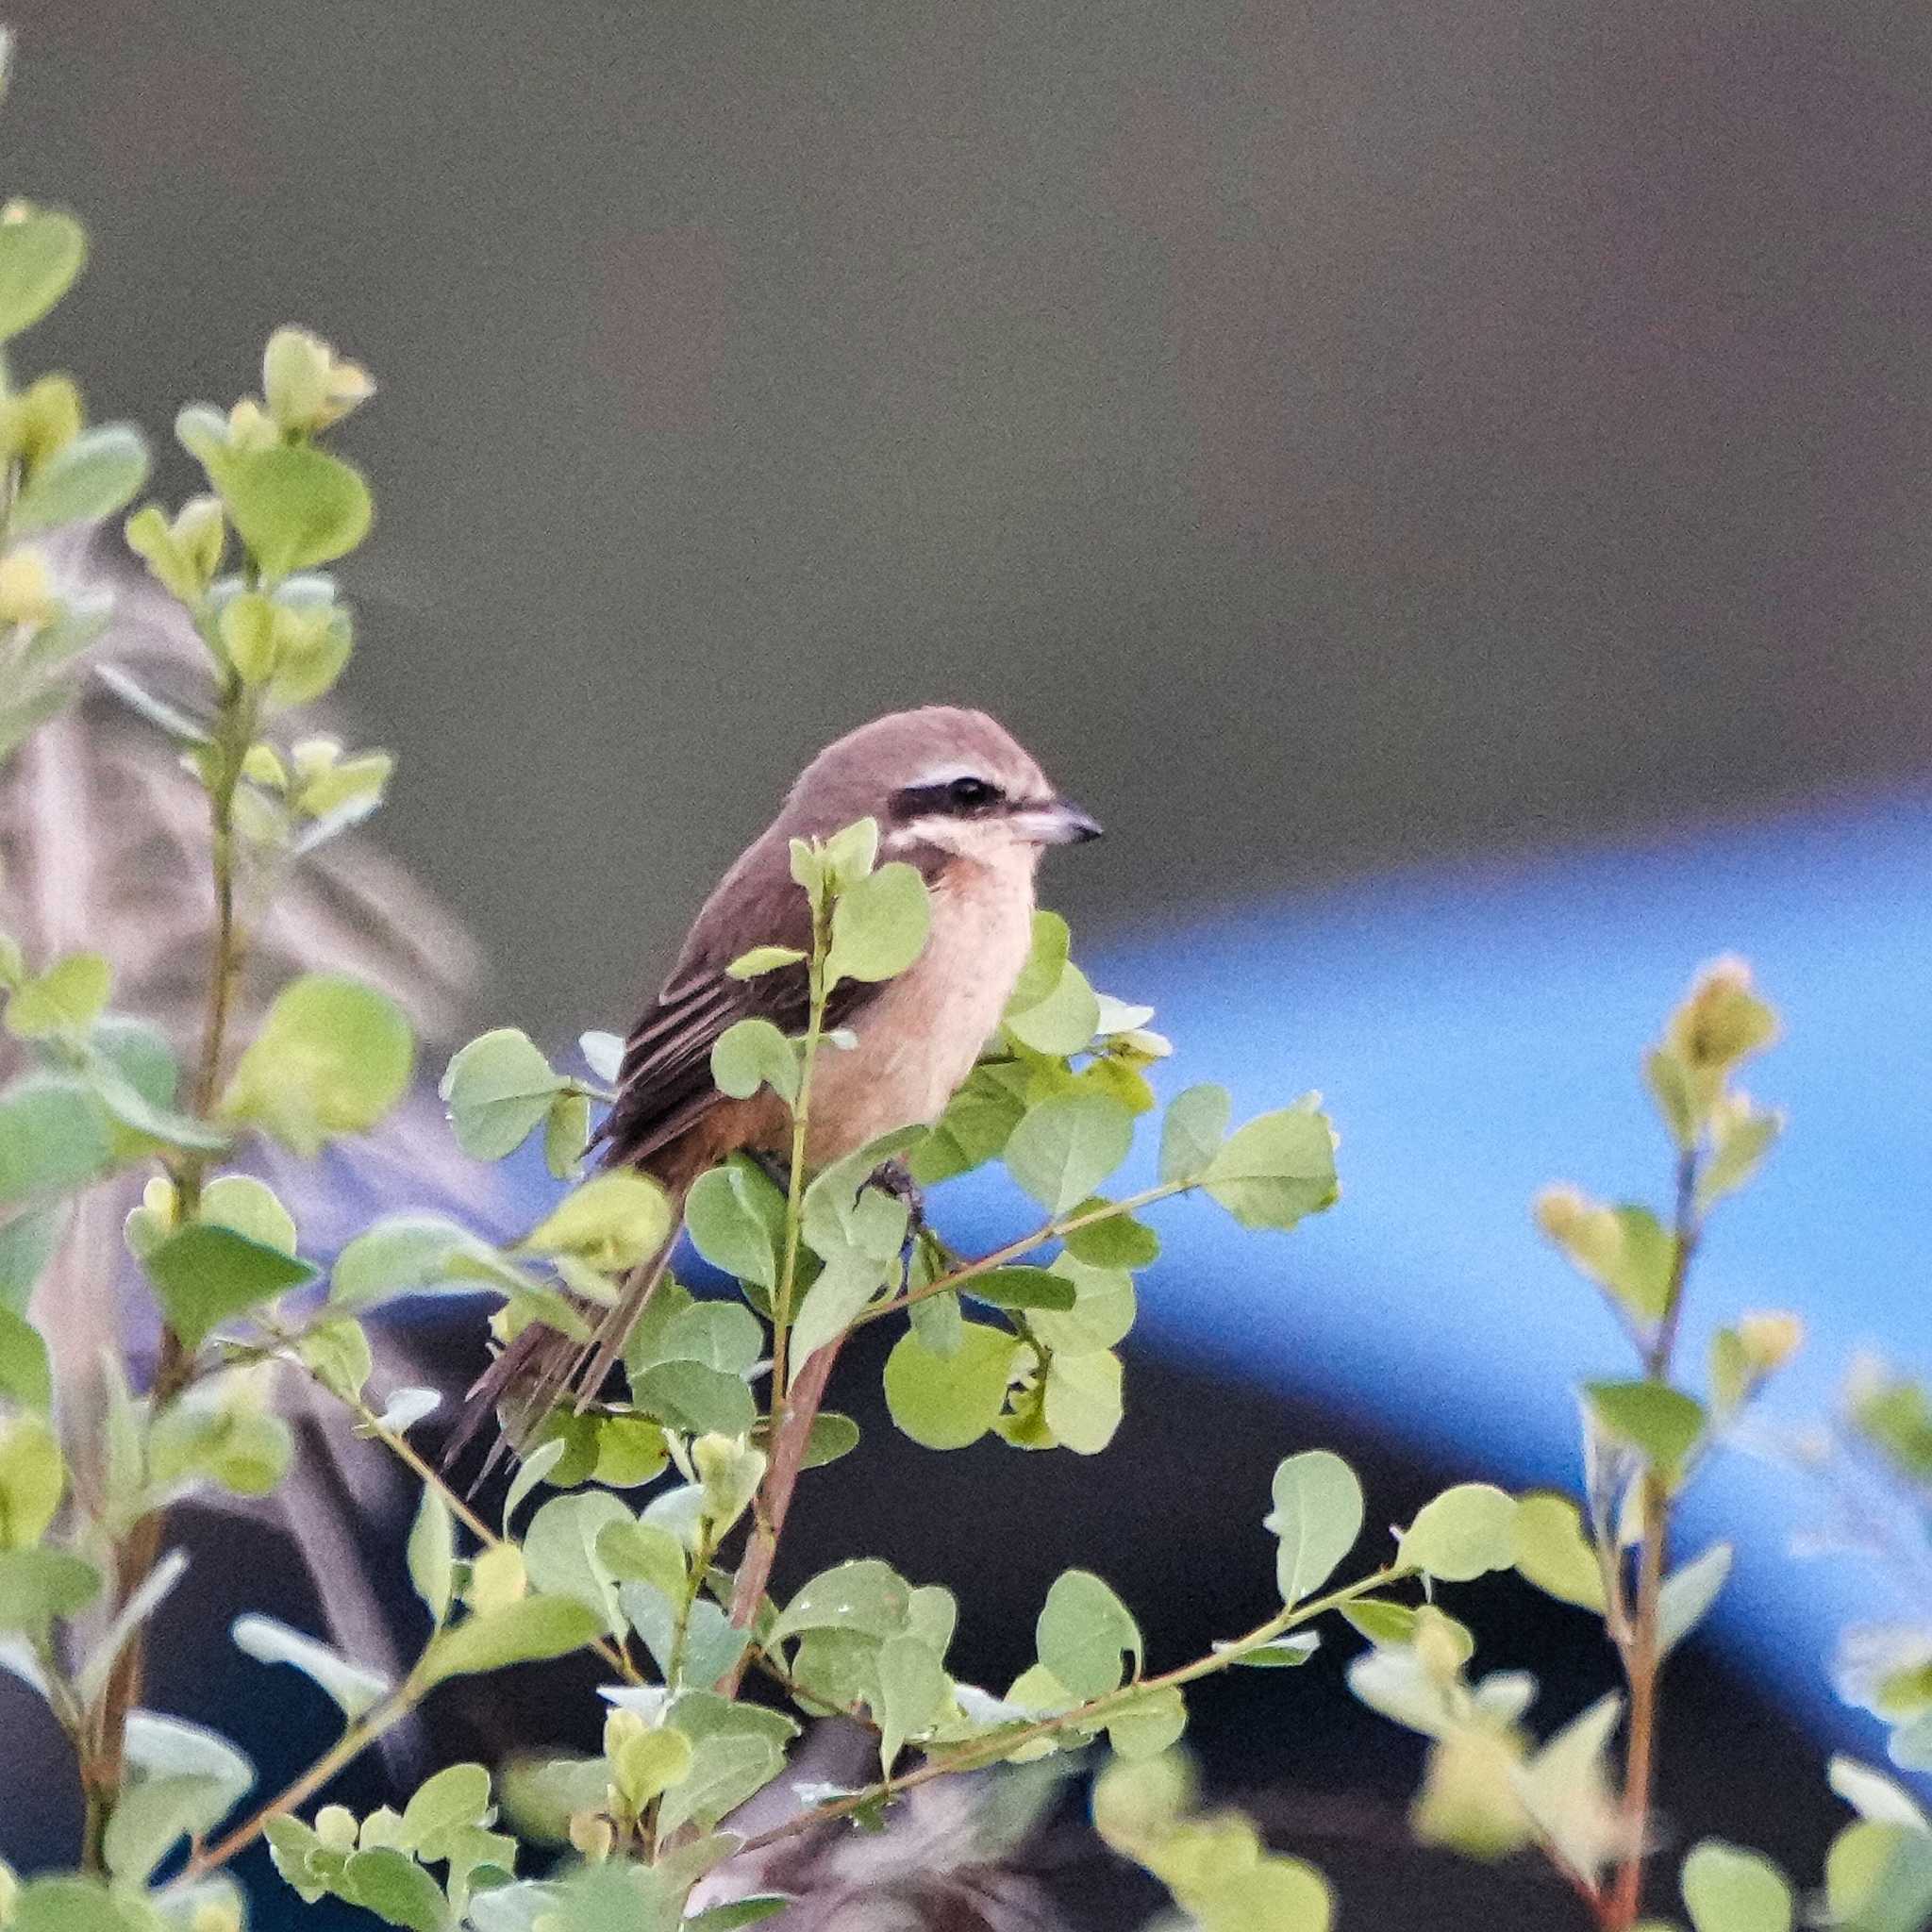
(918, 1039)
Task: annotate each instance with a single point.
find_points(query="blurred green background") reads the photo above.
(1331, 434)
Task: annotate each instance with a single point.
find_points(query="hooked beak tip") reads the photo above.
(1071, 825)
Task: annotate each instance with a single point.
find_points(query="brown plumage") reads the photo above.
(952, 794)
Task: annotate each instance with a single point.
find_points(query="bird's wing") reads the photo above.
(664, 1086)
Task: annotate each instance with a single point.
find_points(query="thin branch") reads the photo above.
(990, 1750)
(362, 1733)
(412, 1459)
(1642, 1649)
(1024, 1244)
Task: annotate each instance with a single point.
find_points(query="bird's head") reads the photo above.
(938, 777)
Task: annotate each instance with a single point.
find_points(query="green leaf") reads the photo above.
(245, 1450)
(131, 1070)
(641, 1553)
(335, 1351)
(560, 1551)
(27, 1372)
(523, 1632)
(1102, 1310)
(1565, 1789)
(1879, 1879)
(648, 1763)
(939, 1322)
(1067, 1145)
(406, 1254)
(1046, 960)
(946, 1402)
(1873, 1795)
(1274, 1894)
(879, 925)
(250, 1207)
(39, 1587)
(566, 1133)
(1022, 1287)
(499, 1087)
(41, 254)
(1464, 1533)
(27, 1244)
(1082, 1401)
(1116, 1241)
(1285, 1654)
(727, 1215)
(847, 1283)
(75, 1903)
(1082, 1632)
(850, 854)
(1386, 1625)
(1688, 1593)
(613, 1220)
(738, 1912)
(736, 1750)
(914, 1691)
(396, 1890)
(1063, 1022)
(863, 1595)
(96, 475)
(532, 1467)
(975, 1127)
(695, 1398)
(354, 1687)
(53, 1134)
(1728, 1889)
(751, 1054)
(1552, 1553)
(452, 1802)
(204, 1275)
(1274, 1170)
(729, 1471)
(33, 1479)
(67, 998)
(332, 1056)
(712, 1643)
(762, 959)
(1744, 1135)
(604, 1054)
(1149, 1724)
(151, 1815)
(1191, 1134)
(1662, 1425)
(1317, 1516)
(630, 1450)
(432, 1551)
(294, 506)
(832, 1436)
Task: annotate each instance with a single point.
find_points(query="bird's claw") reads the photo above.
(892, 1178)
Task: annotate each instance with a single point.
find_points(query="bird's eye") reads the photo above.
(969, 794)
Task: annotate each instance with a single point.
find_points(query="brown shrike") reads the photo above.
(954, 795)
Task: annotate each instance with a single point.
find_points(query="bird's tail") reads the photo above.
(541, 1367)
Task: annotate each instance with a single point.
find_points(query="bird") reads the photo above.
(954, 794)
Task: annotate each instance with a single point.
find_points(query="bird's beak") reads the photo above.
(1058, 822)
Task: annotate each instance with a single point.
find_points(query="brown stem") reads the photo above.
(774, 1496)
(1642, 1648)
(103, 1744)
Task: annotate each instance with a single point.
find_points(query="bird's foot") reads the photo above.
(892, 1178)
